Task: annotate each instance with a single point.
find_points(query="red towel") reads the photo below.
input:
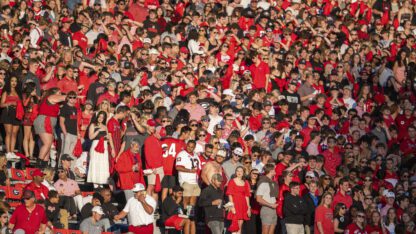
(48, 125)
(234, 225)
(77, 149)
(100, 146)
(27, 162)
(20, 111)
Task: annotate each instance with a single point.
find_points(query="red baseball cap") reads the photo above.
(66, 19)
(184, 50)
(151, 123)
(38, 172)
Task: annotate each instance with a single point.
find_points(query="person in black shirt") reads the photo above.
(65, 37)
(294, 209)
(292, 97)
(312, 201)
(97, 88)
(151, 24)
(211, 199)
(109, 209)
(53, 211)
(173, 211)
(86, 210)
(68, 121)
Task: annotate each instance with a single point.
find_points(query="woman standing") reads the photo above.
(9, 99)
(340, 220)
(98, 168)
(253, 226)
(46, 121)
(375, 226)
(391, 220)
(323, 216)
(238, 192)
(30, 101)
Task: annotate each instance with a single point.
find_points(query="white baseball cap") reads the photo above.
(228, 92)
(310, 173)
(138, 187)
(98, 209)
(238, 151)
(390, 195)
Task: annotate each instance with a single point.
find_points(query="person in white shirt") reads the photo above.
(37, 34)
(140, 210)
(187, 165)
(346, 97)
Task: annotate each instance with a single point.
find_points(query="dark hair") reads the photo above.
(95, 120)
(8, 88)
(293, 184)
(53, 194)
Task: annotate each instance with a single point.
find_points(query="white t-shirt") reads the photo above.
(137, 216)
(188, 161)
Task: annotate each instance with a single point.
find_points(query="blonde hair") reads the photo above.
(49, 174)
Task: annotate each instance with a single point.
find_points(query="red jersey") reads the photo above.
(332, 161)
(171, 147)
(29, 222)
(82, 40)
(67, 84)
(259, 74)
(114, 128)
(45, 108)
(153, 152)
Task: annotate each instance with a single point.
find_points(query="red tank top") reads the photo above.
(10, 99)
(48, 109)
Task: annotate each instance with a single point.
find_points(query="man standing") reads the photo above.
(211, 200)
(266, 194)
(115, 130)
(130, 169)
(68, 121)
(294, 210)
(231, 164)
(153, 155)
(139, 209)
(97, 88)
(171, 148)
(214, 167)
(332, 157)
(341, 195)
(188, 165)
(29, 217)
(31, 75)
(312, 201)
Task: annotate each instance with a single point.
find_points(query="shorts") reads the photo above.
(268, 216)
(174, 221)
(168, 181)
(151, 179)
(190, 190)
(39, 124)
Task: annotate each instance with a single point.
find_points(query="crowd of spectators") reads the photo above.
(240, 116)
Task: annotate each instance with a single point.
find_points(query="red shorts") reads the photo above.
(174, 221)
(148, 229)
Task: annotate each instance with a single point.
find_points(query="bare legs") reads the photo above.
(47, 140)
(11, 135)
(28, 142)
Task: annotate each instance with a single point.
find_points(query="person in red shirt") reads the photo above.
(332, 157)
(130, 169)
(29, 217)
(153, 155)
(324, 222)
(341, 195)
(171, 147)
(260, 73)
(68, 83)
(408, 145)
(115, 130)
(358, 226)
(110, 95)
(403, 121)
(36, 186)
(79, 38)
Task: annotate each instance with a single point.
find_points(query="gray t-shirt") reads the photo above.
(92, 228)
(264, 191)
(229, 168)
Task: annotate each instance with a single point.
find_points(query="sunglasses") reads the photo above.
(72, 97)
(343, 208)
(2, 73)
(310, 177)
(194, 125)
(205, 120)
(247, 162)
(216, 143)
(360, 216)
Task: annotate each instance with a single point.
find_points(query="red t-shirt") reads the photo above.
(66, 85)
(171, 147)
(332, 161)
(41, 192)
(29, 222)
(259, 74)
(354, 229)
(114, 128)
(339, 198)
(82, 41)
(325, 216)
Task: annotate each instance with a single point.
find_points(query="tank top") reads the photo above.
(100, 133)
(48, 109)
(10, 99)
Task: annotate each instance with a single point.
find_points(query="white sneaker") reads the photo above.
(12, 155)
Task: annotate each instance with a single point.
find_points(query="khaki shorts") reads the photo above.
(190, 190)
(151, 179)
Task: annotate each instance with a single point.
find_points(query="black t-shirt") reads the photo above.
(70, 115)
(95, 90)
(153, 28)
(65, 38)
(126, 79)
(293, 99)
(170, 208)
(343, 222)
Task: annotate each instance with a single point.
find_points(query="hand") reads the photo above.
(274, 206)
(216, 202)
(141, 197)
(113, 152)
(233, 210)
(116, 217)
(249, 212)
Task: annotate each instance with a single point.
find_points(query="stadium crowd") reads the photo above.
(216, 116)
